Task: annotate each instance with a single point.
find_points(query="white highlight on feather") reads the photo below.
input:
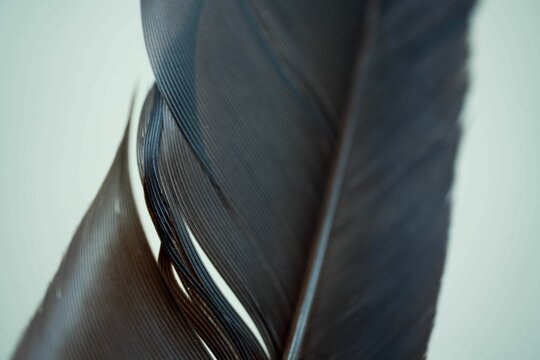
(179, 282)
(208, 349)
(153, 238)
(116, 206)
(226, 290)
(134, 177)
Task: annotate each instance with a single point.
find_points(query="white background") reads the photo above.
(68, 69)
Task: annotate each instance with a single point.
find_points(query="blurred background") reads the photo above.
(67, 72)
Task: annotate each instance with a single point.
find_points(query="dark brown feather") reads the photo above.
(108, 298)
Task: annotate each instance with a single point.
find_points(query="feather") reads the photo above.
(108, 298)
(307, 148)
(247, 157)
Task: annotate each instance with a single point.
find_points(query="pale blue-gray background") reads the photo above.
(67, 71)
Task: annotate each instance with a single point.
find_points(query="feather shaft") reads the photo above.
(332, 193)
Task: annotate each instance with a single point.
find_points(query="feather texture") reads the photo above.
(308, 148)
(108, 299)
(244, 165)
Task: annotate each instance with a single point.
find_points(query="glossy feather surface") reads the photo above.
(308, 148)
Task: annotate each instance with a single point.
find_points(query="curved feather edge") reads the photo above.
(250, 96)
(108, 299)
